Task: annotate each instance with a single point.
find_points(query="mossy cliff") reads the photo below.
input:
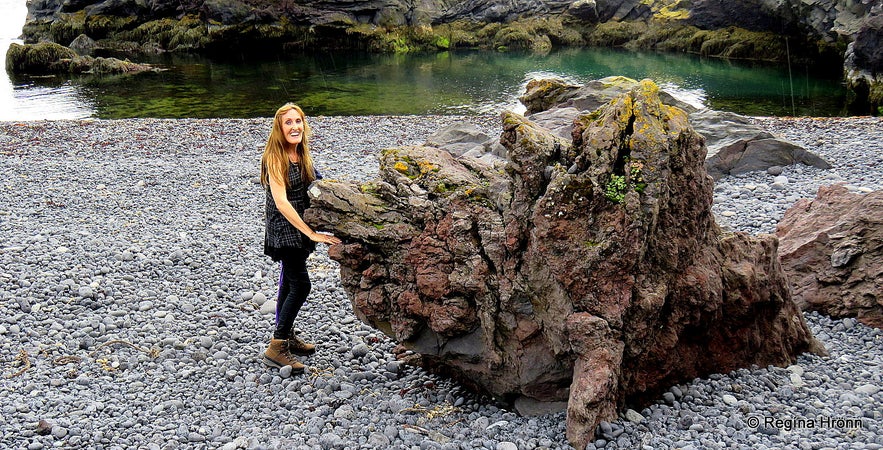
(823, 33)
(207, 26)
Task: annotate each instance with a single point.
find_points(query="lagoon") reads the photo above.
(350, 83)
(467, 82)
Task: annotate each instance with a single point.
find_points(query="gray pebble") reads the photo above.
(360, 350)
(177, 277)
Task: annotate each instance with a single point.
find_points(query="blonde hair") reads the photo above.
(274, 161)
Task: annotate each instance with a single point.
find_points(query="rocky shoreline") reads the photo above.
(135, 304)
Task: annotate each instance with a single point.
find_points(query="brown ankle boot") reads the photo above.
(277, 355)
(298, 347)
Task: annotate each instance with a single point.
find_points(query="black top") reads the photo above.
(279, 234)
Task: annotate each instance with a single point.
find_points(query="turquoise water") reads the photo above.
(369, 84)
(445, 83)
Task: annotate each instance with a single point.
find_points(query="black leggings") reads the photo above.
(294, 287)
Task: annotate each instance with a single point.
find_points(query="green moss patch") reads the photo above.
(36, 58)
(189, 32)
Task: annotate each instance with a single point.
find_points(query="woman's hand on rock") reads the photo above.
(324, 238)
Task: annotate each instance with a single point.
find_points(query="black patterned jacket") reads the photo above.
(279, 233)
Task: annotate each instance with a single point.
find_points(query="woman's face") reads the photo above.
(293, 127)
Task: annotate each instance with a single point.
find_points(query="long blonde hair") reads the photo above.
(274, 161)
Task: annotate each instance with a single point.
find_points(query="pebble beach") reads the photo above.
(135, 302)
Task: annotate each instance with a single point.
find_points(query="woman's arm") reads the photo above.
(284, 206)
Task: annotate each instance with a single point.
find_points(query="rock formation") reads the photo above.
(831, 249)
(49, 58)
(735, 145)
(795, 31)
(587, 269)
(864, 62)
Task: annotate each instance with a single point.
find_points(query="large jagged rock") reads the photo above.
(735, 144)
(587, 269)
(831, 248)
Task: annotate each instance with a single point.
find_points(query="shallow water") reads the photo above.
(463, 82)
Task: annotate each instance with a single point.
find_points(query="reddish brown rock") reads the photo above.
(831, 248)
(587, 269)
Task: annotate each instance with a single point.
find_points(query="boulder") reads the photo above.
(468, 140)
(558, 120)
(831, 249)
(120, 8)
(867, 49)
(588, 270)
(36, 58)
(458, 139)
(583, 10)
(227, 12)
(47, 58)
(83, 45)
(735, 144)
(546, 93)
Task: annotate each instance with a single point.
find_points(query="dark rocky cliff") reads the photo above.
(824, 33)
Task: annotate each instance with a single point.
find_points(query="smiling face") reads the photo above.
(292, 127)
(289, 141)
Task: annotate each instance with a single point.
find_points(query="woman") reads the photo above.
(286, 172)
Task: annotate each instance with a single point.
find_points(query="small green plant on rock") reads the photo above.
(636, 177)
(614, 190)
(370, 189)
(617, 185)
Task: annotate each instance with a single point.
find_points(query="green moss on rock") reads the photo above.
(36, 58)
(186, 33)
(731, 42)
(99, 27)
(615, 34)
(49, 57)
(67, 27)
